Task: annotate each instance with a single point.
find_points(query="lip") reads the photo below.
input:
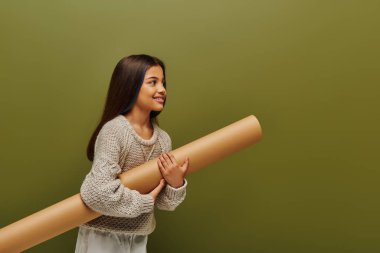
(161, 102)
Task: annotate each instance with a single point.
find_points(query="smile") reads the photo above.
(159, 100)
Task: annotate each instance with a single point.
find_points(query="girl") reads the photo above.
(128, 135)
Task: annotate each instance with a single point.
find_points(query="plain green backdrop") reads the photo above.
(309, 71)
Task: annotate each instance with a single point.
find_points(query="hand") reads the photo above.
(171, 171)
(154, 193)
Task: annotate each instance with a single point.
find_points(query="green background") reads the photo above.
(309, 71)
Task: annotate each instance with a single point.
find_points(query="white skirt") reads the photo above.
(94, 241)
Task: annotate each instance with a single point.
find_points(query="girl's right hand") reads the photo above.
(154, 193)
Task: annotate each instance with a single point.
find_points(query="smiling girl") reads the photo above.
(128, 135)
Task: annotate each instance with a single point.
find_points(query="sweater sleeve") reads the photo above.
(170, 198)
(101, 190)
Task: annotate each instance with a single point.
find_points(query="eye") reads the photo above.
(153, 82)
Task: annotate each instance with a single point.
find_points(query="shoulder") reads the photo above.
(113, 128)
(110, 139)
(164, 135)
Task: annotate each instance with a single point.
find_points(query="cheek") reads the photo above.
(146, 93)
(147, 97)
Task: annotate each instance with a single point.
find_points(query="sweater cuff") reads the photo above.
(147, 203)
(172, 192)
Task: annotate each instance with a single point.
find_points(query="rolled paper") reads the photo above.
(72, 212)
(201, 152)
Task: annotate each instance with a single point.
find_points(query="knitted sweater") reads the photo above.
(119, 148)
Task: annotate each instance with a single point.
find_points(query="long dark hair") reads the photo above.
(124, 88)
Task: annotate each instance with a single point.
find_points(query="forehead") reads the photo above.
(154, 71)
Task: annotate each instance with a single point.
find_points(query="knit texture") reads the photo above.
(118, 148)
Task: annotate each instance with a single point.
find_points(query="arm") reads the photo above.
(170, 197)
(101, 189)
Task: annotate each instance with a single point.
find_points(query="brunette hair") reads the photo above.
(123, 90)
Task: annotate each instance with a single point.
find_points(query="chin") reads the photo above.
(159, 108)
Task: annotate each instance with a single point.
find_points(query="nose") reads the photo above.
(162, 89)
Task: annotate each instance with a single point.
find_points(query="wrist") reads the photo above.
(177, 185)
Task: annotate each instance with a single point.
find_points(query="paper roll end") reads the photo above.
(258, 129)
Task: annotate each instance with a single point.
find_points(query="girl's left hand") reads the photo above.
(171, 171)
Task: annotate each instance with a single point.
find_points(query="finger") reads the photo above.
(155, 191)
(163, 161)
(186, 161)
(162, 181)
(162, 157)
(172, 158)
(161, 167)
(161, 185)
(167, 159)
(185, 165)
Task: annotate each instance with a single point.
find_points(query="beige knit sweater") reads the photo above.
(119, 148)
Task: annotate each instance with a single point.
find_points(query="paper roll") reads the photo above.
(202, 152)
(72, 212)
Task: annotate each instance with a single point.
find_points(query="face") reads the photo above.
(152, 93)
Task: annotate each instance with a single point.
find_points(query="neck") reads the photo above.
(139, 118)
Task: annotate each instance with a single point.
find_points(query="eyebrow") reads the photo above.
(154, 77)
